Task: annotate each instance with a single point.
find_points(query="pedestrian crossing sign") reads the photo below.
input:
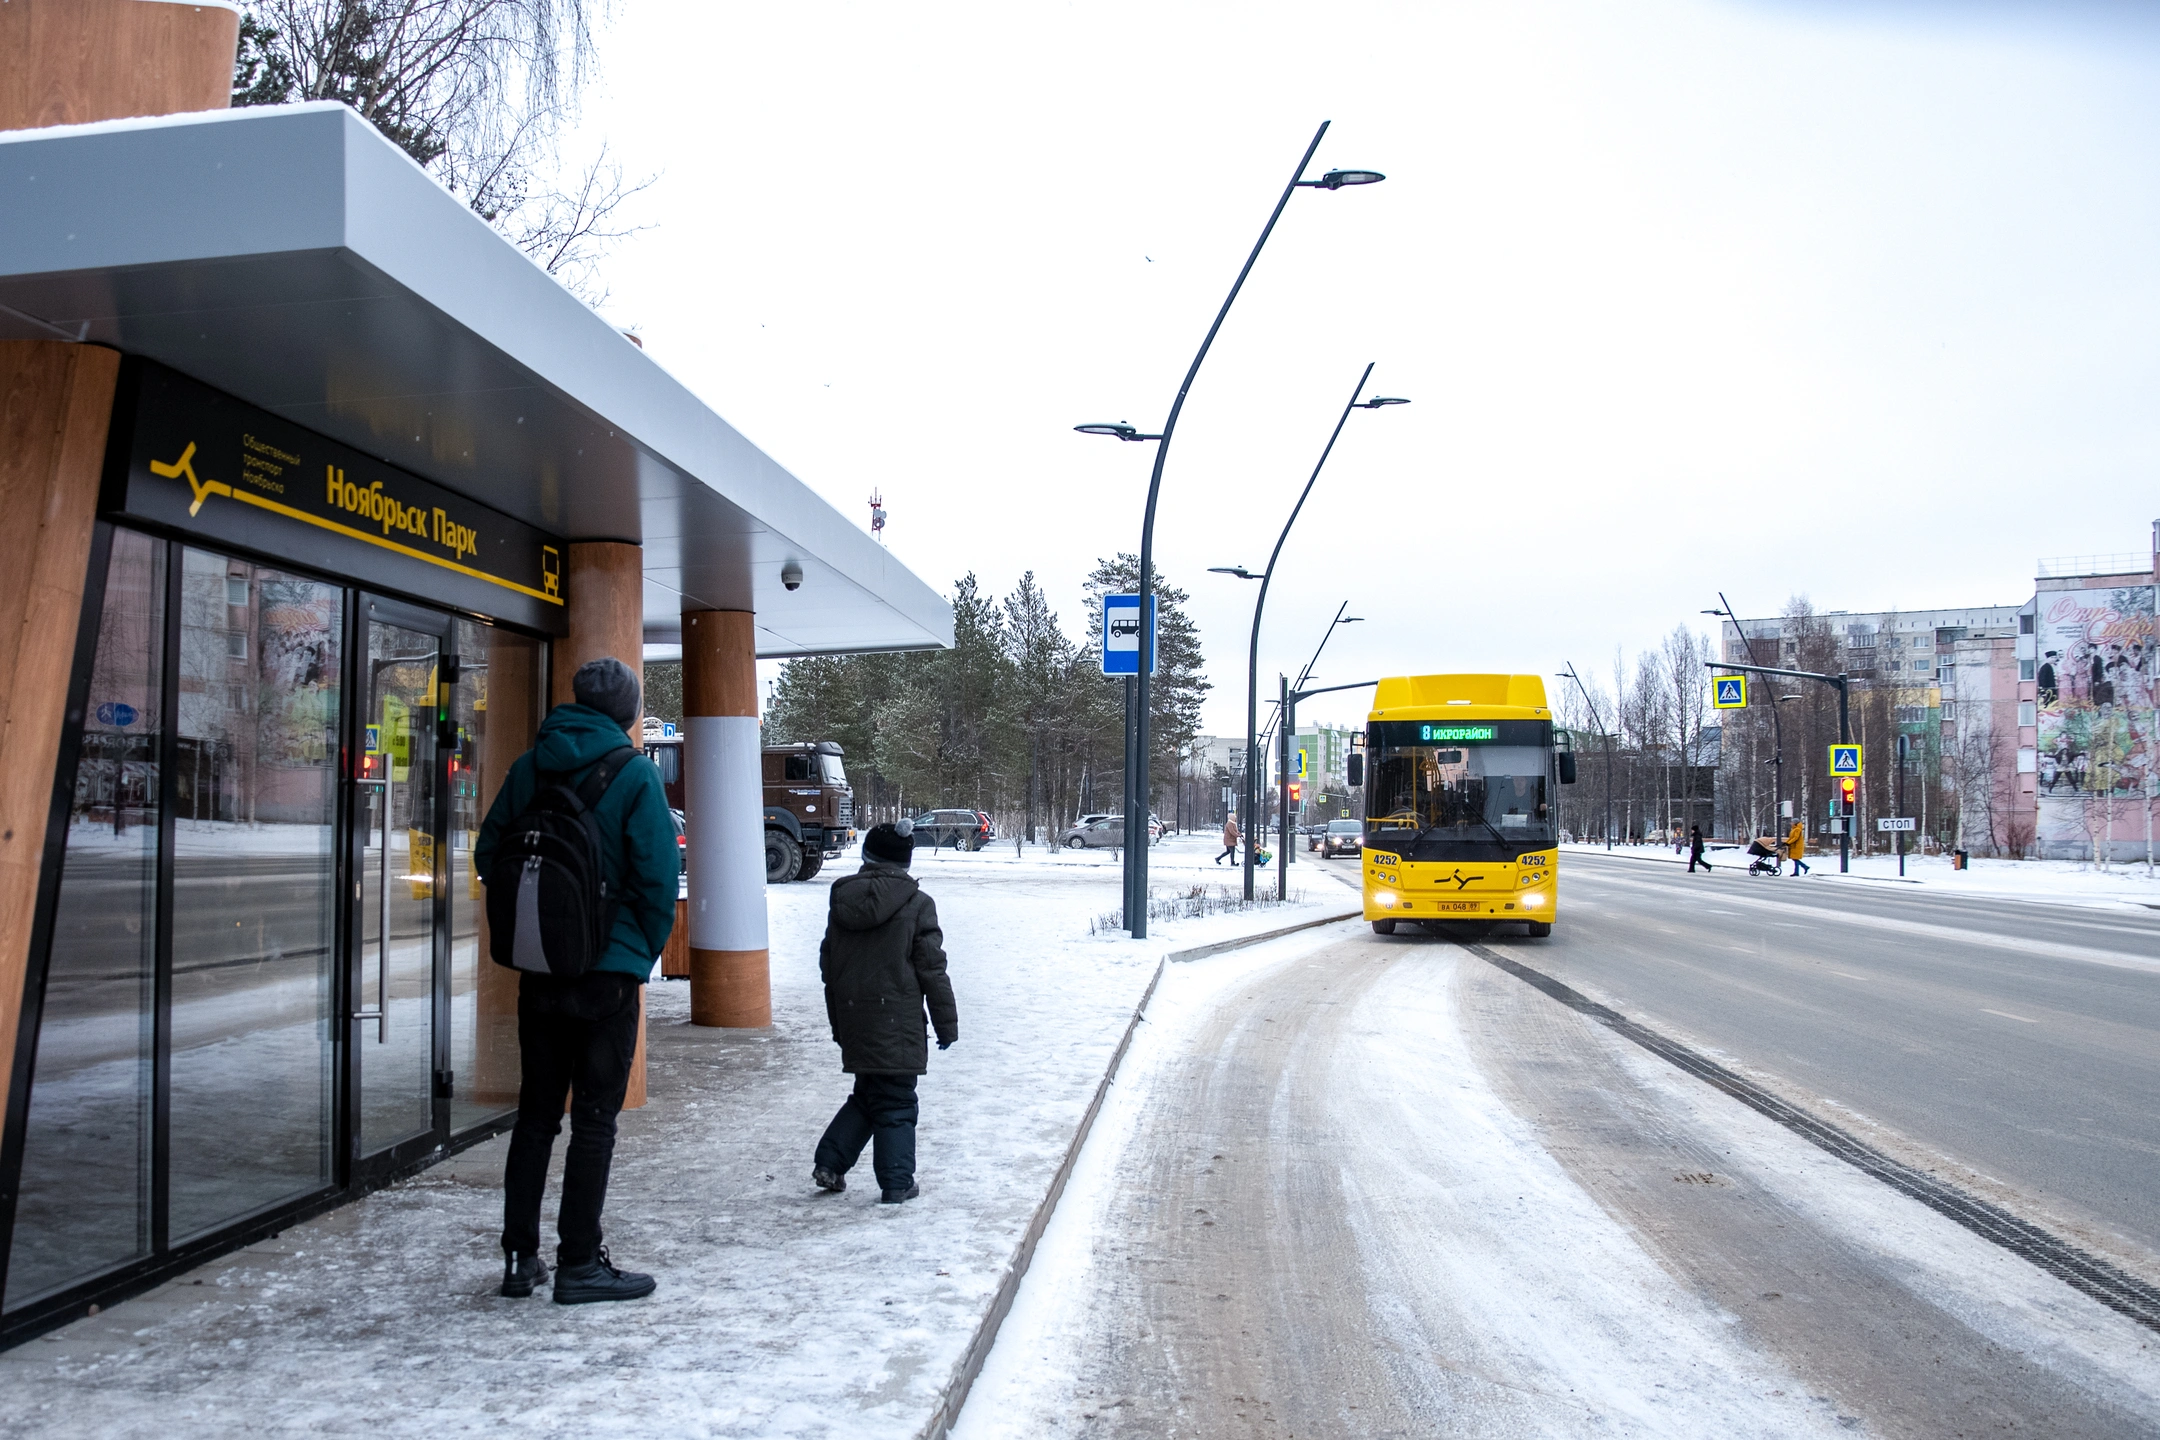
(1845, 760)
(1728, 692)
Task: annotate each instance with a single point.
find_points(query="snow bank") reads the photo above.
(2069, 882)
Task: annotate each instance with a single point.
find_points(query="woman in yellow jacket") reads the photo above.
(1796, 846)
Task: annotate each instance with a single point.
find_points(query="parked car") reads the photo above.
(1097, 832)
(990, 831)
(1342, 837)
(962, 829)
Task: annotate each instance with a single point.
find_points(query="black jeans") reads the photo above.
(882, 1109)
(575, 1038)
(1229, 852)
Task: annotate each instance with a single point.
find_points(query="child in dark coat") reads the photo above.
(883, 962)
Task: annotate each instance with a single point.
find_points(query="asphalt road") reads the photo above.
(1388, 1188)
(2018, 1042)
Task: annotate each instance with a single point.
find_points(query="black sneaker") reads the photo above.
(895, 1197)
(825, 1179)
(599, 1280)
(521, 1273)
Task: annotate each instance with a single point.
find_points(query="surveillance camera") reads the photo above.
(791, 575)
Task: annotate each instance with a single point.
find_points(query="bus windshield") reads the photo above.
(1454, 801)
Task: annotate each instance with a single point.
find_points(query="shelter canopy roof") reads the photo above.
(293, 257)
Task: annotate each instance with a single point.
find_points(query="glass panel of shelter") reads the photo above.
(398, 811)
(186, 1074)
(84, 1203)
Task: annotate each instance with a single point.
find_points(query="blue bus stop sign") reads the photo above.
(1121, 635)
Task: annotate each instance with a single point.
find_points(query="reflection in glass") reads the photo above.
(496, 707)
(395, 962)
(84, 1205)
(253, 889)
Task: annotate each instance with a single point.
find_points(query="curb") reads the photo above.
(1201, 952)
(941, 1419)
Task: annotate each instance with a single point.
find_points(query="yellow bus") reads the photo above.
(1461, 810)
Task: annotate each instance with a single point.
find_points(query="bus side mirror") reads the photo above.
(1356, 767)
(1567, 767)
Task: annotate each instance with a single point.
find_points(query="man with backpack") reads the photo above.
(579, 858)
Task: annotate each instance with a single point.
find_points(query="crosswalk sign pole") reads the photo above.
(1844, 735)
(1843, 685)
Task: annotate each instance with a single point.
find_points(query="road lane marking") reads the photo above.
(1848, 977)
(2097, 1277)
(2033, 949)
(2008, 1016)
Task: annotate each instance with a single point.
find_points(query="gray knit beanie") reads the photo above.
(609, 686)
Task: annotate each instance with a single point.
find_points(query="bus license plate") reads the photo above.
(1459, 905)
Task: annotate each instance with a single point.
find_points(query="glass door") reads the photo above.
(397, 862)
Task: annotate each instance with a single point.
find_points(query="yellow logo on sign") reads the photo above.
(184, 468)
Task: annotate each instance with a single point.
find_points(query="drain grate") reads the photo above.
(2075, 1267)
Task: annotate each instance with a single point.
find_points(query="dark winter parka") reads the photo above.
(883, 960)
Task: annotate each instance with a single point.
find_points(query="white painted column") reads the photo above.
(724, 815)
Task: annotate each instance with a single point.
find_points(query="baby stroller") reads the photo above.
(1763, 856)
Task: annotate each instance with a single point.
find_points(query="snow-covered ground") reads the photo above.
(781, 1311)
(2071, 882)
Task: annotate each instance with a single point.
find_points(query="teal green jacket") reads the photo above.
(643, 862)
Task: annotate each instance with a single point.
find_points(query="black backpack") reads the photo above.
(549, 907)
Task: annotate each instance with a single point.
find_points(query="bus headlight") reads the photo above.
(1385, 898)
(1531, 902)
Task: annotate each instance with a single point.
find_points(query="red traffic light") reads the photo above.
(1296, 790)
(1848, 789)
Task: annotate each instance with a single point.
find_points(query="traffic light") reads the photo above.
(1296, 790)
(1848, 793)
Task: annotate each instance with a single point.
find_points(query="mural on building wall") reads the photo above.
(2094, 688)
(299, 674)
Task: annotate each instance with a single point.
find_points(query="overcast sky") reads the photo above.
(1855, 301)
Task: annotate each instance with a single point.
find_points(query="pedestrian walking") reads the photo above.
(883, 962)
(1796, 846)
(577, 1034)
(1229, 839)
(1695, 849)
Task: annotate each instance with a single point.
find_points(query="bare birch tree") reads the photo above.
(479, 92)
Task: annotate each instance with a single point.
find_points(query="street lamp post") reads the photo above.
(1251, 798)
(1843, 685)
(1287, 717)
(1136, 773)
(1592, 706)
(1777, 724)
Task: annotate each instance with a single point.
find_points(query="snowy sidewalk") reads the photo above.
(2062, 882)
(781, 1311)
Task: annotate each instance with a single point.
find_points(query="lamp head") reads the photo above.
(1120, 430)
(1238, 570)
(1379, 400)
(1336, 179)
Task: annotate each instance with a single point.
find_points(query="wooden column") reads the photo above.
(730, 958)
(604, 585)
(55, 404)
(513, 714)
(67, 62)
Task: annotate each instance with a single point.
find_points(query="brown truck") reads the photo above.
(809, 808)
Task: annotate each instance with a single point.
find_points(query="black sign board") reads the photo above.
(199, 462)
